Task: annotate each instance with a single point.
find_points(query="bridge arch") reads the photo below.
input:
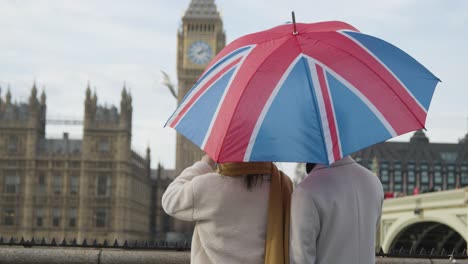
(428, 232)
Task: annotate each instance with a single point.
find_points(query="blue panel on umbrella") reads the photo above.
(196, 121)
(291, 129)
(358, 126)
(419, 80)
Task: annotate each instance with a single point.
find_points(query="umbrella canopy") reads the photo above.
(315, 95)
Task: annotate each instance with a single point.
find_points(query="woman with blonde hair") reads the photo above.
(241, 211)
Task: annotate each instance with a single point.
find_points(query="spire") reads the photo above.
(88, 92)
(124, 92)
(43, 97)
(34, 89)
(33, 96)
(202, 9)
(95, 97)
(8, 96)
(148, 153)
(419, 137)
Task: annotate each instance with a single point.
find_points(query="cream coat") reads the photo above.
(230, 220)
(334, 215)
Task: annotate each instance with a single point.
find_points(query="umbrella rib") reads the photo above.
(370, 68)
(246, 85)
(312, 92)
(314, 97)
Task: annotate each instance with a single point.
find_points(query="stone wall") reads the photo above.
(38, 255)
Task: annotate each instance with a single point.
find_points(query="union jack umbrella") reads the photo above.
(304, 93)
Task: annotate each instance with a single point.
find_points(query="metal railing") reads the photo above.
(134, 244)
(185, 246)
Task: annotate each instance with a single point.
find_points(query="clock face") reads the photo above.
(200, 52)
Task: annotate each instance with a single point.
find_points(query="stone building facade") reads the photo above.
(418, 165)
(95, 187)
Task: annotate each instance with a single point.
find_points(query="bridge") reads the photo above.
(435, 221)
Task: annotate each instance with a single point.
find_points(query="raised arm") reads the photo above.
(177, 200)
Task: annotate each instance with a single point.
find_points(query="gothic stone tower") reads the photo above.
(118, 178)
(199, 39)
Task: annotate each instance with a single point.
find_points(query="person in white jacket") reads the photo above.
(335, 212)
(237, 220)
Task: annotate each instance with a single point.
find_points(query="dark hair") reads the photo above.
(251, 180)
(310, 167)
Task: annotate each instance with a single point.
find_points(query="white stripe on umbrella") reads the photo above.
(360, 95)
(245, 54)
(322, 112)
(267, 106)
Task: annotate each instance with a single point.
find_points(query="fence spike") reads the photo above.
(412, 250)
(105, 244)
(442, 253)
(33, 242)
(84, 243)
(53, 242)
(95, 243)
(433, 252)
(401, 251)
(116, 243)
(74, 243)
(64, 243)
(145, 244)
(125, 245)
(12, 241)
(464, 253)
(43, 241)
(1, 240)
(22, 241)
(422, 252)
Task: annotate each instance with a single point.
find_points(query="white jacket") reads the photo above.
(335, 212)
(230, 220)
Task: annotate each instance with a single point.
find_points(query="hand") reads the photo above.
(208, 161)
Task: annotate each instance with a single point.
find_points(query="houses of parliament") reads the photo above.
(96, 187)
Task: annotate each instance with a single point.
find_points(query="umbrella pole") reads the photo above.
(294, 23)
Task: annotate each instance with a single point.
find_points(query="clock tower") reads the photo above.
(199, 39)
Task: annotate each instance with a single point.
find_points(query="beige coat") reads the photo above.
(334, 215)
(230, 220)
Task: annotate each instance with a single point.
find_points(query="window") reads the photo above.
(12, 183)
(74, 182)
(424, 177)
(39, 217)
(384, 175)
(56, 217)
(438, 177)
(104, 145)
(57, 184)
(9, 216)
(397, 187)
(464, 176)
(410, 187)
(72, 217)
(411, 177)
(103, 185)
(385, 187)
(449, 156)
(41, 184)
(12, 145)
(101, 217)
(451, 176)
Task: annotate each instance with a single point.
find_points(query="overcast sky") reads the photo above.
(63, 44)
